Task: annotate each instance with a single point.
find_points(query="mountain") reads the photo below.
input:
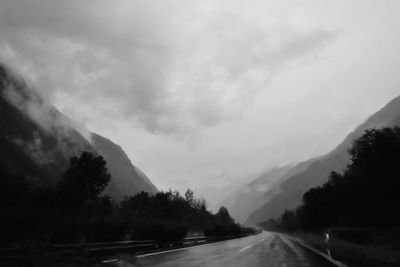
(317, 173)
(37, 141)
(249, 197)
(260, 190)
(127, 178)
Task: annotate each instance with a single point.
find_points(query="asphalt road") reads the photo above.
(265, 249)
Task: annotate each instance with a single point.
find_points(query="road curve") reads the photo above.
(265, 249)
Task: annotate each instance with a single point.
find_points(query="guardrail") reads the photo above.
(99, 248)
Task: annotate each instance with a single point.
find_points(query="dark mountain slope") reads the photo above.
(30, 145)
(127, 178)
(317, 173)
(37, 141)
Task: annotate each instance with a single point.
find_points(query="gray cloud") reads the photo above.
(170, 70)
(49, 119)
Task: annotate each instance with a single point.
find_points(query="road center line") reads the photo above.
(245, 248)
(109, 261)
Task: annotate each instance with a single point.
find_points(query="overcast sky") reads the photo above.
(207, 94)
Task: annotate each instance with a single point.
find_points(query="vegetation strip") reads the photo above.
(322, 254)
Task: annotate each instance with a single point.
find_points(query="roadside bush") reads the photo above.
(77, 211)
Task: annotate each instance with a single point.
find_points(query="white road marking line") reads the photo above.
(109, 261)
(179, 249)
(262, 240)
(245, 248)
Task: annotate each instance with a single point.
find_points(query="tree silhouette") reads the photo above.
(86, 177)
(75, 210)
(365, 195)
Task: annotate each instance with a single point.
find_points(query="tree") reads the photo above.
(224, 216)
(85, 179)
(364, 195)
(189, 197)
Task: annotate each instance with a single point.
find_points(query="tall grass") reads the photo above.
(351, 253)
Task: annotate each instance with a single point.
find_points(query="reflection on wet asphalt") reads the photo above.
(265, 249)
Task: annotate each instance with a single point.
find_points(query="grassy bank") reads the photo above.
(353, 254)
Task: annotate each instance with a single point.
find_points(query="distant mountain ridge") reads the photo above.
(37, 141)
(243, 201)
(260, 190)
(317, 173)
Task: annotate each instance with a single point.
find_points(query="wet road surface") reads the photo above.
(265, 249)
